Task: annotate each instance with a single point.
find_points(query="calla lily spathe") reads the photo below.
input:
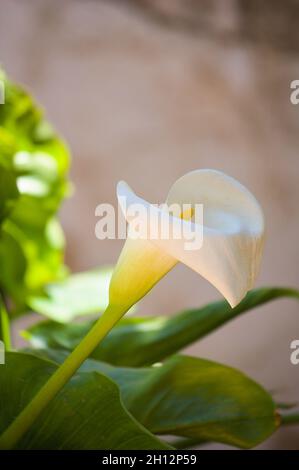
(233, 235)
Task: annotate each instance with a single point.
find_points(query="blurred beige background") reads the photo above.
(148, 93)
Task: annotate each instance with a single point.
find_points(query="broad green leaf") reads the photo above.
(143, 341)
(86, 414)
(78, 294)
(192, 397)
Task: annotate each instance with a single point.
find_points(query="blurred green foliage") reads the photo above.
(34, 163)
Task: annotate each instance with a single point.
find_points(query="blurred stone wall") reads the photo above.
(146, 91)
(269, 22)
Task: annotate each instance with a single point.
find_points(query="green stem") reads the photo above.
(4, 324)
(27, 417)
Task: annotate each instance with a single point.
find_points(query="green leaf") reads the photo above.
(188, 442)
(86, 414)
(148, 340)
(13, 266)
(79, 294)
(41, 255)
(290, 418)
(8, 192)
(192, 397)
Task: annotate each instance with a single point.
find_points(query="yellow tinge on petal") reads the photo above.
(141, 263)
(140, 266)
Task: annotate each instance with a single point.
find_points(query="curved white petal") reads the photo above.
(232, 231)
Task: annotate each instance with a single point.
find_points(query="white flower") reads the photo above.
(231, 250)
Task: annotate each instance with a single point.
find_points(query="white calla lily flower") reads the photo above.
(231, 232)
(232, 238)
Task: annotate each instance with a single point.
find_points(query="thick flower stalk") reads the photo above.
(231, 240)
